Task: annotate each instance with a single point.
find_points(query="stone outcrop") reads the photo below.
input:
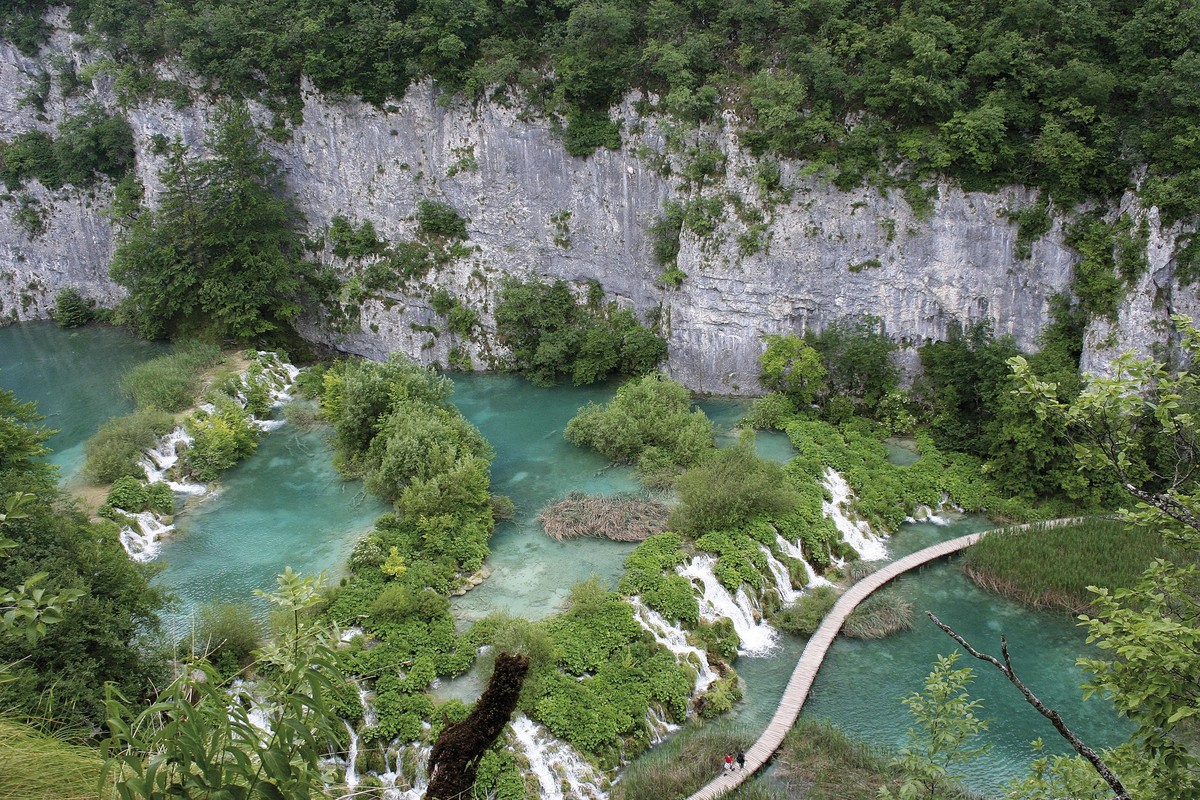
(534, 210)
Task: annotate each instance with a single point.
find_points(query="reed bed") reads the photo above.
(879, 616)
(621, 518)
(1051, 567)
(682, 764)
(34, 766)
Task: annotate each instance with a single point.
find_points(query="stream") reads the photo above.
(287, 506)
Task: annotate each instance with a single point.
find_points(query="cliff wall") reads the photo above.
(817, 254)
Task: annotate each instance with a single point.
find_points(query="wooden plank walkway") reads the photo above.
(814, 653)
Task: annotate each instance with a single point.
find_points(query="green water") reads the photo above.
(72, 375)
(287, 506)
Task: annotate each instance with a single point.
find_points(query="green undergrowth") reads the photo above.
(1052, 566)
(36, 766)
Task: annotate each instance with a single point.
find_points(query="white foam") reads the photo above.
(857, 534)
(757, 638)
(555, 764)
(674, 639)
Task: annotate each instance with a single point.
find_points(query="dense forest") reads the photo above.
(1075, 97)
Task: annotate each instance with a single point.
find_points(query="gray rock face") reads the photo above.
(535, 211)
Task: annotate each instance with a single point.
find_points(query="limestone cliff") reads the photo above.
(819, 254)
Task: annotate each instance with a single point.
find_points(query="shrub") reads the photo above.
(128, 493)
(71, 310)
(228, 634)
(221, 438)
(732, 487)
(653, 412)
(805, 616)
(170, 382)
(441, 220)
(118, 446)
(160, 498)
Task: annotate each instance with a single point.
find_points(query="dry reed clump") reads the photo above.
(621, 519)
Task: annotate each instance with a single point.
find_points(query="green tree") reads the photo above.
(943, 737)
(1140, 424)
(223, 252)
(791, 367)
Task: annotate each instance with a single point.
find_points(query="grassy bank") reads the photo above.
(34, 766)
(1051, 567)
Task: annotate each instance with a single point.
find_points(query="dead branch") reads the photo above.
(1006, 669)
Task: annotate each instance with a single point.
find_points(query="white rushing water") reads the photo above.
(757, 637)
(783, 578)
(924, 513)
(555, 764)
(144, 543)
(857, 534)
(674, 639)
(142, 540)
(792, 549)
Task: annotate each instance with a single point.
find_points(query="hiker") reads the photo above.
(741, 760)
(728, 763)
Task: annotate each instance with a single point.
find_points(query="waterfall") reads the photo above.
(783, 578)
(757, 638)
(856, 534)
(793, 550)
(555, 764)
(159, 461)
(144, 543)
(352, 759)
(924, 513)
(658, 725)
(674, 639)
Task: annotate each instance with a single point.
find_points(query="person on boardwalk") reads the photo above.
(728, 763)
(741, 759)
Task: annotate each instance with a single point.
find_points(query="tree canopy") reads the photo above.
(222, 253)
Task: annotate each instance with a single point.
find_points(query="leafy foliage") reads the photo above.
(792, 368)
(222, 253)
(650, 422)
(943, 735)
(115, 450)
(90, 145)
(71, 310)
(551, 336)
(170, 382)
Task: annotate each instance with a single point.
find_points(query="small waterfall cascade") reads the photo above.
(392, 773)
(857, 534)
(757, 638)
(674, 639)
(351, 778)
(783, 578)
(792, 549)
(658, 725)
(924, 513)
(555, 764)
(143, 544)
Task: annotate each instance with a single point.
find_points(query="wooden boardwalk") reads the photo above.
(814, 653)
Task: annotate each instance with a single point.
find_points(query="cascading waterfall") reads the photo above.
(658, 725)
(674, 639)
(792, 549)
(757, 638)
(924, 513)
(783, 578)
(351, 779)
(857, 534)
(555, 763)
(143, 544)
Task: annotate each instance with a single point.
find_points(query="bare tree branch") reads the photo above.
(1006, 669)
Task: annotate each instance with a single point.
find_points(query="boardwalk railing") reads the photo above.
(814, 653)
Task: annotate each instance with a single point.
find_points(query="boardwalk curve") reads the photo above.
(810, 661)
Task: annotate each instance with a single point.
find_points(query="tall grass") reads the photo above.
(34, 766)
(117, 447)
(170, 382)
(682, 764)
(879, 616)
(1051, 567)
(832, 766)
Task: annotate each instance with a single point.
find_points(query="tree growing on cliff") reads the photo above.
(223, 252)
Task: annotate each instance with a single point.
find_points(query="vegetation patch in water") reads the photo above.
(621, 519)
(879, 616)
(1051, 567)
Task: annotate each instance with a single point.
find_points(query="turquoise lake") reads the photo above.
(287, 506)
